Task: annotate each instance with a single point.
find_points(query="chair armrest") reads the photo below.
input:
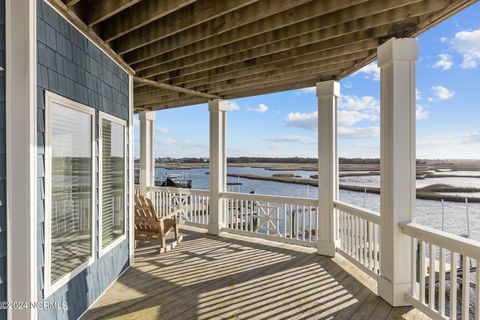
(173, 214)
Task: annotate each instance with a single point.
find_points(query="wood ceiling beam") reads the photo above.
(248, 92)
(266, 64)
(337, 62)
(195, 14)
(266, 83)
(173, 88)
(146, 94)
(197, 50)
(77, 22)
(142, 96)
(71, 3)
(283, 50)
(169, 104)
(256, 18)
(138, 16)
(286, 84)
(252, 48)
(308, 70)
(98, 11)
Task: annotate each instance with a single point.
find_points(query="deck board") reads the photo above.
(233, 277)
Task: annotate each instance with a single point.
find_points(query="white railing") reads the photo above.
(136, 189)
(445, 273)
(278, 217)
(194, 204)
(358, 232)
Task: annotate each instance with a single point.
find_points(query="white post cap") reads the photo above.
(405, 49)
(147, 115)
(218, 105)
(328, 88)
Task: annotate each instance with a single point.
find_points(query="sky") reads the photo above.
(284, 124)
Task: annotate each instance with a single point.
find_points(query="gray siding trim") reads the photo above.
(70, 65)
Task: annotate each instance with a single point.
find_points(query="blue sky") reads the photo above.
(284, 124)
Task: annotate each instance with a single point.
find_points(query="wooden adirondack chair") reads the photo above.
(149, 227)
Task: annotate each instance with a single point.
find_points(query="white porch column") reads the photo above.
(327, 93)
(147, 156)
(396, 59)
(218, 164)
(21, 156)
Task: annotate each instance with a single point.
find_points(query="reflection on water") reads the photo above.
(374, 181)
(429, 212)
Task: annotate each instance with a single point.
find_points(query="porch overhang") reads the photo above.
(191, 51)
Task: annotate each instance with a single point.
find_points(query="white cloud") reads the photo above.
(467, 43)
(367, 103)
(371, 71)
(302, 120)
(262, 108)
(442, 93)
(352, 110)
(443, 39)
(365, 132)
(451, 139)
(444, 62)
(421, 113)
(163, 130)
(349, 118)
(289, 138)
(232, 106)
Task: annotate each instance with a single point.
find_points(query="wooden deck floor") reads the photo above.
(208, 277)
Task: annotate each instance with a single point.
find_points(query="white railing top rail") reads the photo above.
(270, 198)
(362, 213)
(443, 239)
(185, 191)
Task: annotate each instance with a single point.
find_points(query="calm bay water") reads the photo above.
(429, 212)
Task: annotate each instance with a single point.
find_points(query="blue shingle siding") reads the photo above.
(70, 65)
(3, 174)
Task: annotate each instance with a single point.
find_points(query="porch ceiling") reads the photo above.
(186, 52)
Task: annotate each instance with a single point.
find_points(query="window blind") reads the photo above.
(71, 189)
(113, 181)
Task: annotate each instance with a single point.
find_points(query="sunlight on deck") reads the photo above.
(232, 277)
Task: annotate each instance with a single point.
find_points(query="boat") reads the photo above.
(173, 180)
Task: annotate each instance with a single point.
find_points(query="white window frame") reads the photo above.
(65, 102)
(105, 116)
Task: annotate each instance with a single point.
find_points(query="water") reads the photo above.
(429, 212)
(374, 181)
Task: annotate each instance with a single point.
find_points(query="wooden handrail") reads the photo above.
(468, 247)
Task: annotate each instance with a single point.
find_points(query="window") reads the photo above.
(112, 181)
(69, 181)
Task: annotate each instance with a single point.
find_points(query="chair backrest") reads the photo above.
(145, 215)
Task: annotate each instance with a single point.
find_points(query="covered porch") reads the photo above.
(236, 277)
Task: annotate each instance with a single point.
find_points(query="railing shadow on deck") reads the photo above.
(208, 277)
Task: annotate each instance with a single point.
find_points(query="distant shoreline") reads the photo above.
(426, 193)
(425, 169)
